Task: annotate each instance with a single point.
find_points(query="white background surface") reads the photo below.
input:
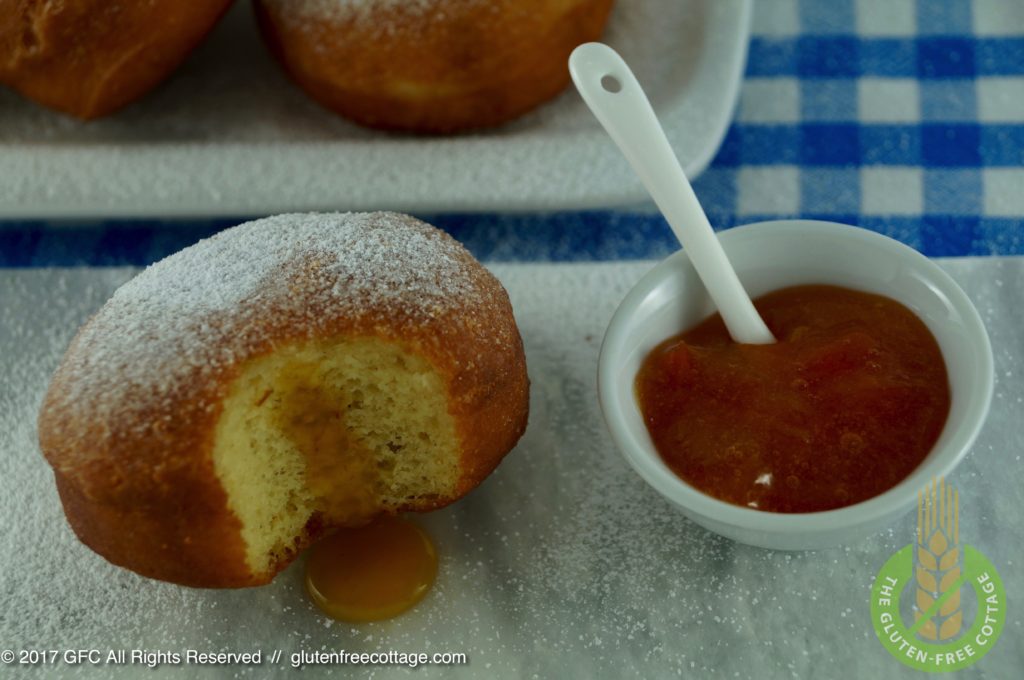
(562, 564)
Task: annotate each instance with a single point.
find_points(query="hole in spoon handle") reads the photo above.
(611, 84)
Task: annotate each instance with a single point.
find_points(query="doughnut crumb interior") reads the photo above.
(243, 397)
(382, 407)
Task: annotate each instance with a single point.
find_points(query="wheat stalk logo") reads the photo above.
(937, 562)
(934, 570)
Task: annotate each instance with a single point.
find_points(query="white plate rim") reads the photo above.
(102, 181)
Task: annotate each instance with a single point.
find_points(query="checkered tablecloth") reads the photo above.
(903, 116)
(906, 117)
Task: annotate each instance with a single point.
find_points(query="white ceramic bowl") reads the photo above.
(768, 256)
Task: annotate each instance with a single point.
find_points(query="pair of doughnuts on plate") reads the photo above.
(434, 66)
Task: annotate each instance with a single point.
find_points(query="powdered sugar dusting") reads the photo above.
(339, 9)
(219, 301)
(382, 17)
(327, 8)
(563, 564)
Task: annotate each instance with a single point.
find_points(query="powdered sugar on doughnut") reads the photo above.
(338, 9)
(223, 299)
(384, 15)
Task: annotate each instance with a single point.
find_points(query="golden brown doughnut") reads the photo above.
(91, 57)
(237, 400)
(430, 65)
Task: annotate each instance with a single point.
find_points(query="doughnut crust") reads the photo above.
(237, 400)
(89, 58)
(433, 66)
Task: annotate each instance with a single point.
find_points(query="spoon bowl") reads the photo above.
(768, 256)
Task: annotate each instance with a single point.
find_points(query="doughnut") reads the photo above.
(431, 66)
(242, 398)
(89, 58)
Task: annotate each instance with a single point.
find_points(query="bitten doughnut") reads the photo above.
(89, 58)
(239, 399)
(430, 65)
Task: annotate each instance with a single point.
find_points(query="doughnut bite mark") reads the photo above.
(244, 397)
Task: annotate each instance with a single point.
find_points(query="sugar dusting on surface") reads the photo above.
(562, 564)
(217, 302)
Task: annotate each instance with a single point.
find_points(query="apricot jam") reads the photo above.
(844, 406)
(373, 572)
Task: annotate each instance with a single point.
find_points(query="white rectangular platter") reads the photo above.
(230, 135)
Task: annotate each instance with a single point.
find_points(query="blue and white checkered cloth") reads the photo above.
(903, 116)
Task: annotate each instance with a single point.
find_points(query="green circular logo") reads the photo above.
(935, 640)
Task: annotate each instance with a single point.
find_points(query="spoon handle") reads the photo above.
(612, 92)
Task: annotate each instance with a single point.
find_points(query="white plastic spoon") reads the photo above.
(613, 94)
